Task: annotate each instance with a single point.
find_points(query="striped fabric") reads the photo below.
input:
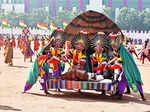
(84, 85)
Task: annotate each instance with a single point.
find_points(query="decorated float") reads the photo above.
(88, 55)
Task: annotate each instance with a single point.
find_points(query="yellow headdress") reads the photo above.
(82, 39)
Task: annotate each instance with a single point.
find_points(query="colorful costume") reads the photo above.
(41, 67)
(9, 55)
(36, 44)
(77, 58)
(35, 72)
(132, 49)
(22, 45)
(13, 42)
(1, 41)
(28, 53)
(5, 46)
(42, 42)
(19, 43)
(54, 62)
(78, 55)
(131, 72)
(145, 53)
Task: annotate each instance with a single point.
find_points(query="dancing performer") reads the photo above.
(145, 53)
(26, 32)
(130, 74)
(19, 42)
(13, 41)
(1, 41)
(42, 42)
(98, 58)
(9, 54)
(6, 41)
(36, 45)
(44, 62)
(22, 45)
(131, 49)
(77, 55)
(57, 53)
(28, 53)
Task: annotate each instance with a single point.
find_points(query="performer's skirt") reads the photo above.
(28, 53)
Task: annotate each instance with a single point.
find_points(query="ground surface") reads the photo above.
(12, 80)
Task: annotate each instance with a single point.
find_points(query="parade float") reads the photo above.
(88, 55)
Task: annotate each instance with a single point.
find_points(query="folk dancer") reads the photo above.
(77, 55)
(6, 41)
(50, 64)
(131, 49)
(9, 54)
(42, 42)
(13, 42)
(36, 45)
(98, 58)
(130, 74)
(28, 53)
(1, 41)
(145, 53)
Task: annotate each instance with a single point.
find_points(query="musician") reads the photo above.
(98, 59)
(77, 55)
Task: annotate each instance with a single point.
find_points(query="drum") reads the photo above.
(75, 74)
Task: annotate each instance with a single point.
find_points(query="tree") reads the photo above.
(128, 19)
(146, 20)
(64, 15)
(110, 12)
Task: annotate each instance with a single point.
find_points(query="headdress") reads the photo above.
(80, 38)
(98, 39)
(59, 35)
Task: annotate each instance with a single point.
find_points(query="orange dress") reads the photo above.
(22, 45)
(13, 43)
(5, 47)
(1, 42)
(19, 43)
(43, 43)
(36, 45)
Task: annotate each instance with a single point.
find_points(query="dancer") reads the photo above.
(1, 41)
(98, 58)
(28, 53)
(9, 54)
(77, 55)
(36, 45)
(42, 42)
(41, 69)
(145, 53)
(131, 49)
(13, 41)
(6, 41)
(130, 74)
